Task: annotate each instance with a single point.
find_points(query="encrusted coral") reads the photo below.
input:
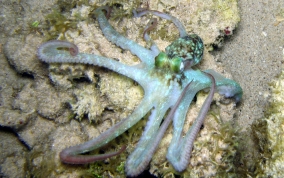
(269, 132)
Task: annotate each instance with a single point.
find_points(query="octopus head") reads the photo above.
(184, 52)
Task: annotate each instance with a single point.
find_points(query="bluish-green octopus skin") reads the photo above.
(163, 71)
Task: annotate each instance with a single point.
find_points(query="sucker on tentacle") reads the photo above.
(180, 150)
(67, 156)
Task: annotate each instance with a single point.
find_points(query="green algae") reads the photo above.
(59, 24)
(225, 8)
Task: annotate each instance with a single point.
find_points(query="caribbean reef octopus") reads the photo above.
(169, 85)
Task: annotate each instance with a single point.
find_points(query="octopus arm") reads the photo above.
(54, 52)
(152, 136)
(180, 149)
(150, 26)
(227, 87)
(113, 36)
(180, 114)
(139, 159)
(72, 155)
(178, 24)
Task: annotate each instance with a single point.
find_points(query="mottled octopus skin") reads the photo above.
(163, 87)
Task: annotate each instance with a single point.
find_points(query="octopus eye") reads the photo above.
(176, 64)
(162, 60)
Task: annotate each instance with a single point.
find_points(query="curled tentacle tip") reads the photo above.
(150, 26)
(231, 91)
(74, 50)
(238, 97)
(50, 49)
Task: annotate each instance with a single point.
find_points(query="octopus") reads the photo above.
(169, 83)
